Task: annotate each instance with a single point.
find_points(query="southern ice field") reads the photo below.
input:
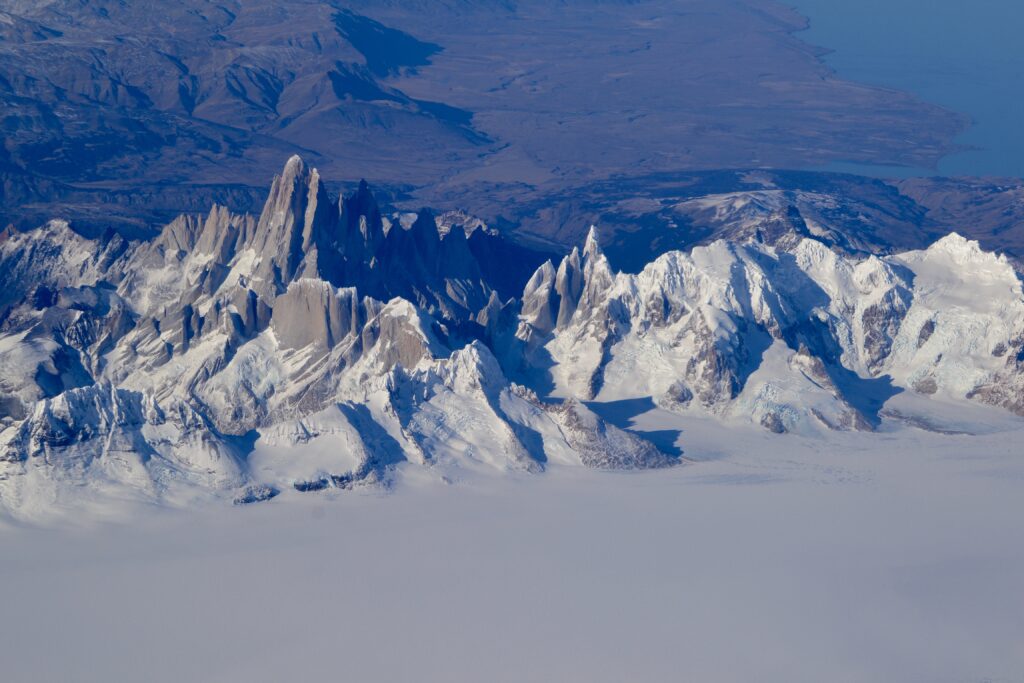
(895, 556)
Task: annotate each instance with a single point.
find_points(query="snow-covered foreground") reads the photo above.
(887, 557)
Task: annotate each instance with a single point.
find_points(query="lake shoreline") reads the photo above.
(973, 77)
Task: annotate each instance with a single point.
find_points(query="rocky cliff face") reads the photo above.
(323, 344)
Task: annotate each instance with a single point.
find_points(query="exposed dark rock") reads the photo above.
(926, 385)
(773, 423)
(926, 333)
(255, 493)
(310, 485)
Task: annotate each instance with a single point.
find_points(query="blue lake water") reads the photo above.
(965, 55)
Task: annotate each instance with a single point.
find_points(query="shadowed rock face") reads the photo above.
(302, 233)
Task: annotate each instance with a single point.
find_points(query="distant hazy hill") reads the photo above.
(108, 107)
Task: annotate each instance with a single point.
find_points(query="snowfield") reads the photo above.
(892, 556)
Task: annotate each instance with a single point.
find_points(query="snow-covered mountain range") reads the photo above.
(324, 344)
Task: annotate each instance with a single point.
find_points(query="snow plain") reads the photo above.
(896, 556)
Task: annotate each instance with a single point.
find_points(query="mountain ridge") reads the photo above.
(324, 344)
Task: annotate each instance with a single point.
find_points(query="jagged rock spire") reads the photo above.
(297, 214)
(591, 246)
(552, 298)
(301, 233)
(363, 226)
(540, 301)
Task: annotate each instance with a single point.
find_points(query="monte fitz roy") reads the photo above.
(324, 344)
